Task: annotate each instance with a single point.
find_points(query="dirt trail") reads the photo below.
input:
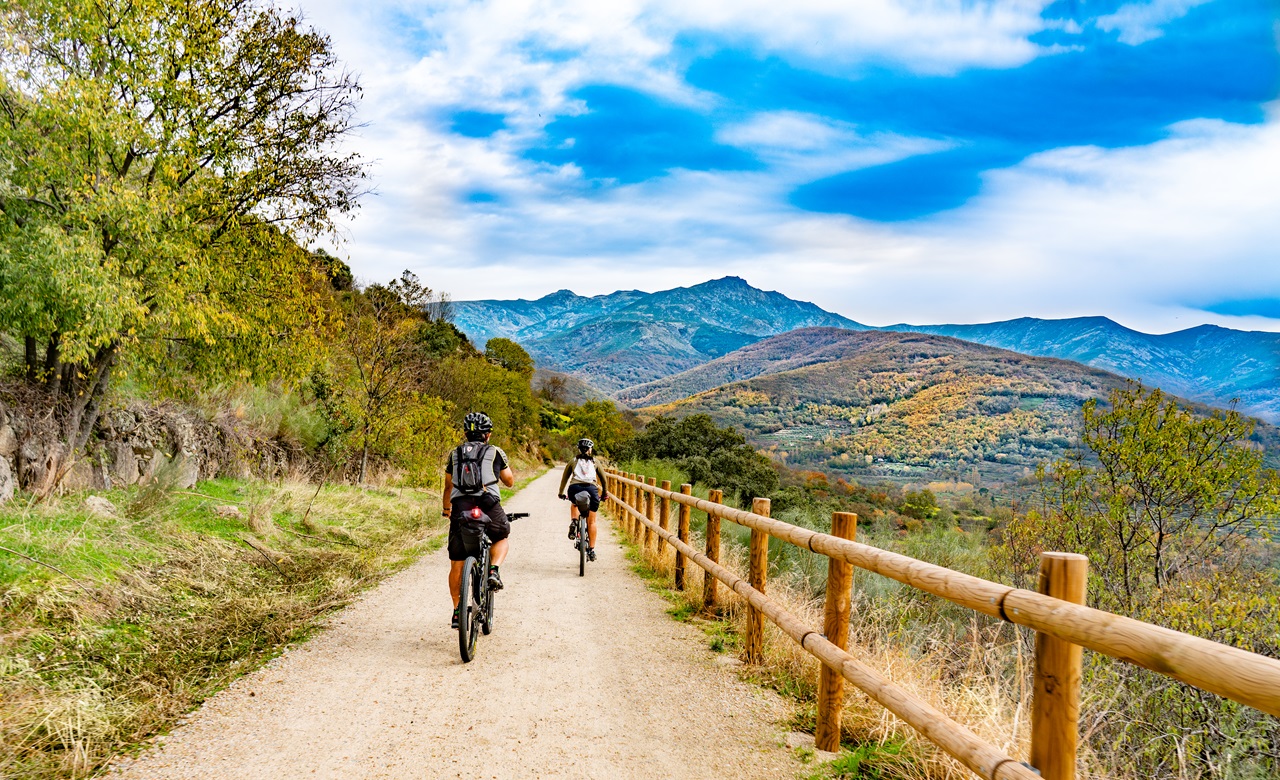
(582, 677)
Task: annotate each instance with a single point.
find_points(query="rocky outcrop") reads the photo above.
(136, 444)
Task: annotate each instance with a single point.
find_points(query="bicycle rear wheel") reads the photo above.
(488, 611)
(484, 597)
(582, 546)
(468, 609)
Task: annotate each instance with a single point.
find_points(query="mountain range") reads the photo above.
(626, 342)
(627, 338)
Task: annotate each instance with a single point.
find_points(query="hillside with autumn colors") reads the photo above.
(901, 406)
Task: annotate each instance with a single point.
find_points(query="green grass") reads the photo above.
(165, 603)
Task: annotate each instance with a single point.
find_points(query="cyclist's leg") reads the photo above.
(498, 528)
(591, 515)
(457, 554)
(455, 580)
(498, 553)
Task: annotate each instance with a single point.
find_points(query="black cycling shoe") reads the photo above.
(495, 582)
(455, 618)
(573, 529)
(591, 554)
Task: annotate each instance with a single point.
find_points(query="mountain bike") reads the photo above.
(475, 601)
(583, 502)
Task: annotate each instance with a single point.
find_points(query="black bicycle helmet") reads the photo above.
(585, 445)
(475, 425)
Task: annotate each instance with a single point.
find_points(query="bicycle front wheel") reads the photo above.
(582, 547)
(468, 609)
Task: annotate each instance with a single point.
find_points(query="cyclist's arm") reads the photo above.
(505, 475)
(564, 478)
(447, 495)
(604, 491)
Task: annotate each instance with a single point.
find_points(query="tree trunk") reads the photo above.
(79, 408)
(33, 359)
(364, 457)
(52, 362)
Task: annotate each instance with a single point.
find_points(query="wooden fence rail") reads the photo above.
(1064, 624)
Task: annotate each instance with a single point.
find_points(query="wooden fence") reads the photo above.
(1063, 624)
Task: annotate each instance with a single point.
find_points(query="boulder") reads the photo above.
(124, 464)
(80, 477)
(226, 510)
(186, 471)
(8, 442)
(100, 506)
(8, 485)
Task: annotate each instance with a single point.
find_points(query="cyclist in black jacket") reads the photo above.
(494, 469)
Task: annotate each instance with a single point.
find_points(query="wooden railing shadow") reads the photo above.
(1057, 613)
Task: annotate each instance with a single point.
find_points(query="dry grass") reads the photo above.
(979, 681)
(183, 601)
(1135, 724)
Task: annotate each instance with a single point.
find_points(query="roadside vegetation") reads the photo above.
(134, 615)
(1175, 511)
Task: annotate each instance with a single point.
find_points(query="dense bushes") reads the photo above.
(714, 456)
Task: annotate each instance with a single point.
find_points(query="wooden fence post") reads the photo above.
(682, 533)
(651, 512)
(636, 503)
(1055, 706)
(664, 522)
(710, 583)
(758, 570)
(627, 499)
(835, 627)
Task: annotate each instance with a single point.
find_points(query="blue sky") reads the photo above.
(893, 161)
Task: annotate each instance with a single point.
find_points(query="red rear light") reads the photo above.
(475, 512)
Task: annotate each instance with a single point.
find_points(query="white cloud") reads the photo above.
(802, 147)
(1142, 234)
(1141, 22)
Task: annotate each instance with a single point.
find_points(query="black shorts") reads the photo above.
(579, 487)
(464, 531)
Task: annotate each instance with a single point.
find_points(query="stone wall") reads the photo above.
(138, 444)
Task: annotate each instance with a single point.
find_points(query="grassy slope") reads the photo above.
(170, 601)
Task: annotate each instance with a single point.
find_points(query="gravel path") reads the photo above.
(582, 677)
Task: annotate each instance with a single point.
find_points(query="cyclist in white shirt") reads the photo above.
(581, 475)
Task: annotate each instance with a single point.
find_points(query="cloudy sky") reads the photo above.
(892, 160)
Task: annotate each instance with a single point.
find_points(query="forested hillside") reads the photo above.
(897, 405)
(1209, 364)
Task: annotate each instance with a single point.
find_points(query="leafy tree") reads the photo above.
(470, 383)
(381, 360)
(509, 355)
(1168, 506)
(601, 422)
(715, 456)
(1156, 494)
(155, 154)
(920, 504)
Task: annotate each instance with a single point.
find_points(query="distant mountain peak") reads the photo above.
(726, 281)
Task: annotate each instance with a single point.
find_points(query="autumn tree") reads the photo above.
(1155, 495)
(159, 159)
(380, 359)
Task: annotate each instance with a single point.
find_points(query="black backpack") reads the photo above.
(470, 463)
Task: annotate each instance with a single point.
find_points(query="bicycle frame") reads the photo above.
(475, 599)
